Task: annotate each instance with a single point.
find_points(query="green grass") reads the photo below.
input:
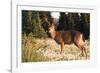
(36, 50)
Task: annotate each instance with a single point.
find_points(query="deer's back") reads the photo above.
(68, 37)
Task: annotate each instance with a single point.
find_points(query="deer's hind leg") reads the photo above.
(83, 50)
(80, 44)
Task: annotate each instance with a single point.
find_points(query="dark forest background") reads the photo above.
(37, 23)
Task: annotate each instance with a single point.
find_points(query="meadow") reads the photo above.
(46, 49)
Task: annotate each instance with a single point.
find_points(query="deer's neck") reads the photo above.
(53, 34)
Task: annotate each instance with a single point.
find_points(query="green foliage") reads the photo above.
(75, 21)
(37, 22)
(32, 23)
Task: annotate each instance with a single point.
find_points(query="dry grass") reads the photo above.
(36, 50)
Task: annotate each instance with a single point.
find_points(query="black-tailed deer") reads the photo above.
(68, 37)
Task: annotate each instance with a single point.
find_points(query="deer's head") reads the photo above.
(52, 30)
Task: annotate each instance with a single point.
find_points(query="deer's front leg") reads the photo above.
(62, 47)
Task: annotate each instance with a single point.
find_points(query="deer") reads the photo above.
(68, 37)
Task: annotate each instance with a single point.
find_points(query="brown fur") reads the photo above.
(68, 37)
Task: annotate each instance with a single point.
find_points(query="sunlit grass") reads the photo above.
(36, 50)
